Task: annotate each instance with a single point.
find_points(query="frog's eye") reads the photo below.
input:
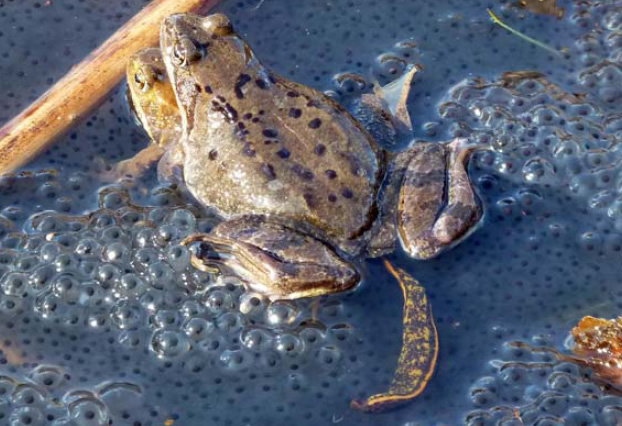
(187, 51)
(145, 77)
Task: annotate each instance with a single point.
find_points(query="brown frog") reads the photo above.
(302, 186)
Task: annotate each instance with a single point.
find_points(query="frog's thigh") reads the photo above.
(383, 238)
(278, 261)
(421, 198)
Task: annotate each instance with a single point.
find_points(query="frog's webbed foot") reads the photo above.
(438, 207)
(131, 168)
(275, 260)
(384, 113)
(419, 349)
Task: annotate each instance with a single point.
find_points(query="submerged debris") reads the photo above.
(525, 37)
(542, 7)
(598, 344)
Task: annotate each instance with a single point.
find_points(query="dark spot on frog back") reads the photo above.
(295, 112)
(241, 81)
(302, 172)
(283, 153)
(309, 199)
(315, 123)
(331, 174)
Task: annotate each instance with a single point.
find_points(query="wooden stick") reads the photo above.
(86, 85)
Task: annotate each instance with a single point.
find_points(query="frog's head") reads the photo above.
(202, 54)
(151, 97)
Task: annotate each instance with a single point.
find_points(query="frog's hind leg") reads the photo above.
(384, 113)
(273, 259)
(438, 207)
(395, 96)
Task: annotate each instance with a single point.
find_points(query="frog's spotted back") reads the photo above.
(275, 147)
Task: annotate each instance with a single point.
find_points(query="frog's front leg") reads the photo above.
(273, 259)
(438, 206)
(133, 167)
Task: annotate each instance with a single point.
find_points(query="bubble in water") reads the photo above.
(88, 411)
(27, 416)
(281, 313)
(288, 344)
(116, 253)
(538, 170)
(14, 284)
(169, 344)
(129, 286)
(257, 339)
(48, 376)
(178, 257)
(126, 315)
(198, 328)
(235, 360)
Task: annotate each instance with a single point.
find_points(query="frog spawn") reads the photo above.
(41, 395)
(120, 272)
(532, 385)
(544, 135)
(116, 267)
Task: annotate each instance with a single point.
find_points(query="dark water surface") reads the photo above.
(106, 322)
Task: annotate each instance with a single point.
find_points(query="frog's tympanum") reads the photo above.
(301, 184)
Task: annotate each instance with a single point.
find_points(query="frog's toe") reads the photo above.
(438, 206)
(275, 260)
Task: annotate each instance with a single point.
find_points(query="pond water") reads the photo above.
(105, 322)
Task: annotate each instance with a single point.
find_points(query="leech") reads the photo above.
(419, 349)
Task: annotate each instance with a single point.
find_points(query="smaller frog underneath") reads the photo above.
(302, 186)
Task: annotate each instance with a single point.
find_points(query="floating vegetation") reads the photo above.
(525, 37)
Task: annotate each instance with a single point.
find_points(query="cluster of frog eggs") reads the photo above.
(532, 386)
(42, 397)
(542, 136)
(122, 268)
(599, 50)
